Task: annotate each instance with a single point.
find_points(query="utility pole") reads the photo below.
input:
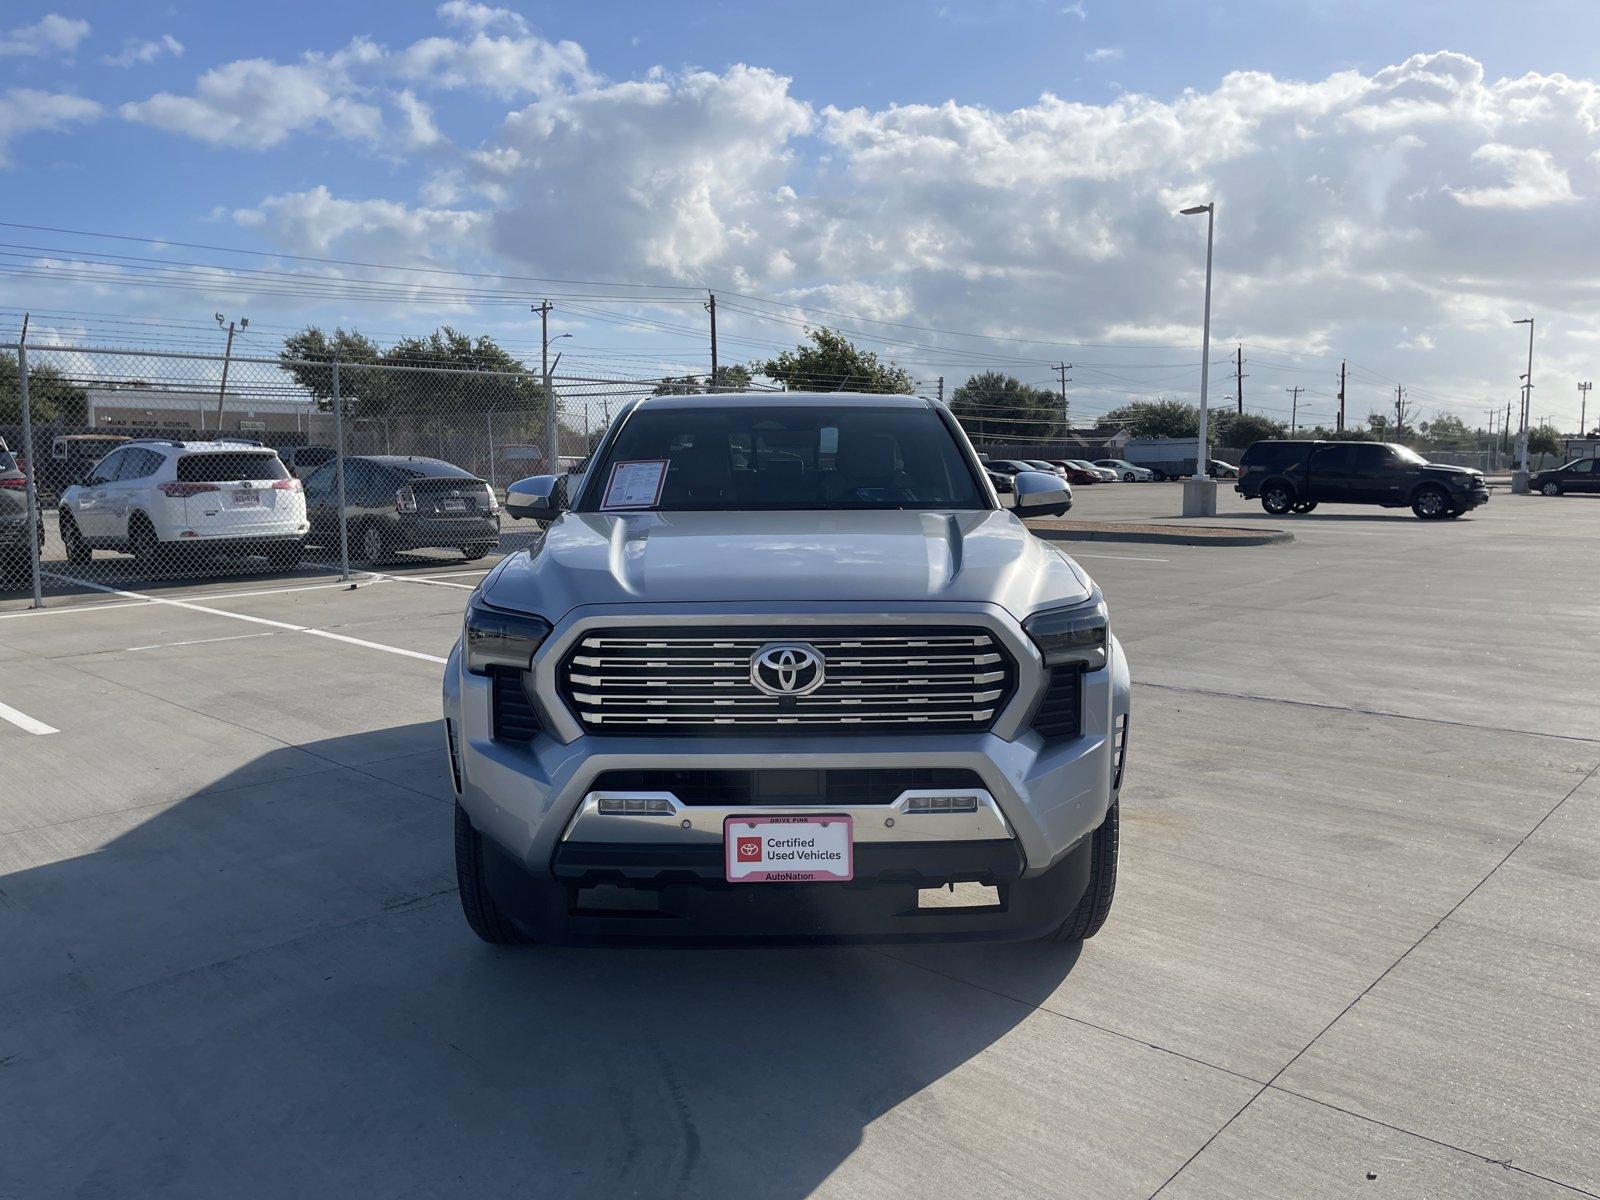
(1519, 480)
(711, 307)
(1399, 412)
(1583, 409)
(1294, 408)
(1505, 431)
(941, 389)
(552, 412)
(1493, 465)
(1238, 378)
(1061, 370)
(1341, 397)
(227, 356)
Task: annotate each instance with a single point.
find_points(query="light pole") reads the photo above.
(1200, 492)
(1519, 477)
(227, 357)
(1583, 408)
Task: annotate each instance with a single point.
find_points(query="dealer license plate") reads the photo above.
(798, 849)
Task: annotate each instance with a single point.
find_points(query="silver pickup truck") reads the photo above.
(782, 667)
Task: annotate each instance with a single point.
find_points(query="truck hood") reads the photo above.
(781, 557)
(1447, 469)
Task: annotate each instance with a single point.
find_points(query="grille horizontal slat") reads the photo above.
(922, 679)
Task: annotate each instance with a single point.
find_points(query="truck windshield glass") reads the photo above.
(764, 458)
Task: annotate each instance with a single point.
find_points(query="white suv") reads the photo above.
(151, 497)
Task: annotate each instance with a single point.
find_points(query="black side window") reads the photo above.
(1330, 459)
(1584, 466)
(319, 484)
(139, 464)
(108, 467)
(1371, 458)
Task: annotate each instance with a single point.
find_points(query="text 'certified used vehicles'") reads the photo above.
(1296, 476)
(393, 503)
(782, 667)
(160, 497)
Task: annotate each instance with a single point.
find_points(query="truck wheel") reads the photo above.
(482, 913)
(1095, 906)
(1551, 489)
(1277, 498)
(1305, 506)
(1431, 503)
(78, 552)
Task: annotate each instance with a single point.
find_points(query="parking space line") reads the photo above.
(1124, 557)
(429, 580)
(222, 612)
(24, 722)
(139, 598)
(238, 637)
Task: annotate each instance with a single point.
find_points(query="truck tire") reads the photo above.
(1095, 906)
(1277, 498)
(477, 902)
(1431, 503)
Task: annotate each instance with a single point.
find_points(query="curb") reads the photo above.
(1239, 537)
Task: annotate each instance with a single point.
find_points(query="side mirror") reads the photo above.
(1041, 495)
(540, 498)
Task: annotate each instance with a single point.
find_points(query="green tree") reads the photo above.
(731, 378)
(1161, 418)
(830, 362)
(1544, 440)
(1242, 429)
(51, 395)
(1448, 432)
(993, 404)
(305, 356)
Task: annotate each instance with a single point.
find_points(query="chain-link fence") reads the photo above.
(134, 467)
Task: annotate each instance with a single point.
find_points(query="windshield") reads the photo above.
(1406, 454)
(761, 458)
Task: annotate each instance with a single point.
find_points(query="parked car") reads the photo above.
(1579, 475)
(16, 561)
(1076, 474)
(1009, 466)
(710, 700)
(1106, 474)
(1126, 471)
(302, 460)
(394, 503)
(1003, 483)
(71, 457)
(1039, 464)
(1296, 476)
(1222, 470)
(155, 497)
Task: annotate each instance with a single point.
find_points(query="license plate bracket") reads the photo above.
(776, 848)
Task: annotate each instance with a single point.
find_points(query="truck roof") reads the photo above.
(783, 400)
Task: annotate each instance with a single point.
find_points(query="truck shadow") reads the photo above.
(267, 988)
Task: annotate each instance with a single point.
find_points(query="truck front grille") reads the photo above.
(875, 680)
(777, 787)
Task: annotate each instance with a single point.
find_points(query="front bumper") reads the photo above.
(534, 802)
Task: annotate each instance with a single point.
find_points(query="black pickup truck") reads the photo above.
(1296, 476)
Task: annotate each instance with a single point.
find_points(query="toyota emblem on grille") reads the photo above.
(787, 669)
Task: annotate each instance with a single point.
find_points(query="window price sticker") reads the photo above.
(635, 484)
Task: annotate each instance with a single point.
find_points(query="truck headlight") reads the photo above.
(1072, 635)
(497, 637)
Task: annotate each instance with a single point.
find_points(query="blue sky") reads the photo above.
(893, 161)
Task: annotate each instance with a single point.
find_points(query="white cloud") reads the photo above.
(479, 17)
(24, 110)
(1104, 54)
(52, 36)
(1533, 179)
(418, 126)
(256, 103)
(136, 52)
(502, 66)
(316, 221)
(1075, 9)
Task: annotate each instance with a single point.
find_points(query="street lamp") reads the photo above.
(1200, 493)
(1519, 479)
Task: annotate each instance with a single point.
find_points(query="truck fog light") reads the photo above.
(635, 806)
(942, 803)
